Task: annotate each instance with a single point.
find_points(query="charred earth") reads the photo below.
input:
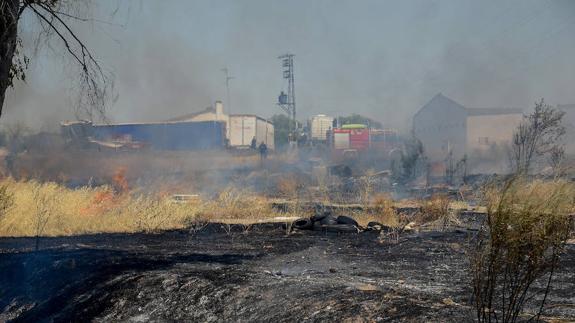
(249, 274)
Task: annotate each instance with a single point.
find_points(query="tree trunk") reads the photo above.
(9, 10)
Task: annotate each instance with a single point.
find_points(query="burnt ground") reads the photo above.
(255, 276)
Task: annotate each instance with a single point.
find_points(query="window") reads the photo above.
(484, 140)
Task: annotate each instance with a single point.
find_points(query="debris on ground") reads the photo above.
(327, 222)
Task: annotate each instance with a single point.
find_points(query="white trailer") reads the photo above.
(245, 127)
(320, 125)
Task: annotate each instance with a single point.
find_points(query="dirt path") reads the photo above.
(260, 275)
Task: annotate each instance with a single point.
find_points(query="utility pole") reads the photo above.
(228, 78)
(286, 101)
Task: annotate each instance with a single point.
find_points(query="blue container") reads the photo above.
(203, 135)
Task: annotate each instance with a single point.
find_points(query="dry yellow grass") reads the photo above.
(381, 210)
(49, 209)
(238, 204)
(30, 208)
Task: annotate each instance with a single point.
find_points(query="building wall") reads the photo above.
(441, 126)
(569, 123)
(485, 131)
(217, 114)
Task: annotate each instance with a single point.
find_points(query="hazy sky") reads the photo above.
(384, 59)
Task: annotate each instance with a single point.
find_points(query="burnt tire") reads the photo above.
(317, 226)
(320, 216)
(340, 228)
(303, 224)
(329, 220)
(342, 219)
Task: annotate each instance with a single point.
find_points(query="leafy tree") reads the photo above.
(282, 127)
(359, 119)
(54, 17)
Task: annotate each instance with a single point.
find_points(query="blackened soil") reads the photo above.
(252, 275)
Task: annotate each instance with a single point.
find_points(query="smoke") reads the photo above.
(381, 59)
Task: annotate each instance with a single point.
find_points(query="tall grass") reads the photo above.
(49, 209)
(30, 208)
(235, 203)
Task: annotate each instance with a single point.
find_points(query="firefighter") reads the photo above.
(263, 151)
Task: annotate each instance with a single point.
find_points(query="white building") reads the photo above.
(444, 126)
(240, 128)
(569, 123)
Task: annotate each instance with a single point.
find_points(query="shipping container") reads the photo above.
(320, 125)
(243, 128)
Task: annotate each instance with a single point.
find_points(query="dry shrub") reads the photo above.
(436, 209)
(198, 223)
(6, 198)
(233, 203)
(119, 180)
(526, 229)
(154, 212)
(381, 210)
(102, 202)
(366, 184)
(45, 202)
(287, 186)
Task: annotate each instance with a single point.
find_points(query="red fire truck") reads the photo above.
(354, 140)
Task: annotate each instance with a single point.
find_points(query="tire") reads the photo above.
(320, 216)
(328, 220)
(342, 219)
(341, 228)
(317, 226)
(303, 224)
